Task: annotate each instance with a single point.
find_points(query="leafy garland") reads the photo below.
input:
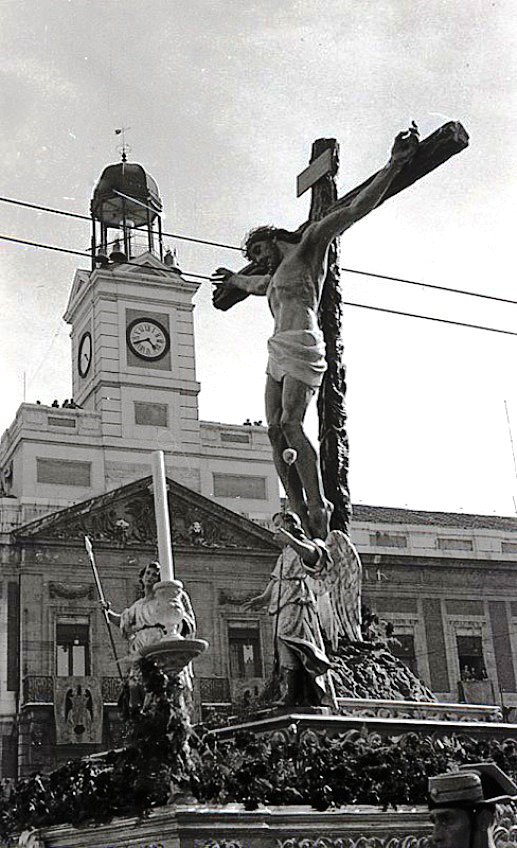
(164, 757)
(155, 763)
(321, 771)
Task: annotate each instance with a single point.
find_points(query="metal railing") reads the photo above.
(39, 689)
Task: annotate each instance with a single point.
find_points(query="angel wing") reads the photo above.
(336, 580)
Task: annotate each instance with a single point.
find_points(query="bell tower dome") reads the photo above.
(125, 210)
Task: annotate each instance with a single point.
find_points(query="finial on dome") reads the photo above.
(125, 148)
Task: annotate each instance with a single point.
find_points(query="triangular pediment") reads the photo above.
(79, 285)
(147, 262)
(125, 517)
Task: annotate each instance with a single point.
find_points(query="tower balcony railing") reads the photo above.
(138, 243)
(39, 689)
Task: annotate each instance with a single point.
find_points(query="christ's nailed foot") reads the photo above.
(319, 522)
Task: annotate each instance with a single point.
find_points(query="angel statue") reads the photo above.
(314, 589)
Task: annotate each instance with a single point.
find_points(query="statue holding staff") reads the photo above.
(151, 619)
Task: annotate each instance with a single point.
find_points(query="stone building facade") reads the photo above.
(56, 631)
(445, 582)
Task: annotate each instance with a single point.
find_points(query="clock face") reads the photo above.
(148, 339)
(84, 354)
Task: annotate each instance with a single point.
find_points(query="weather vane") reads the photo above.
(124, 149)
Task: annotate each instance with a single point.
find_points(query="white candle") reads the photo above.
(161, 510)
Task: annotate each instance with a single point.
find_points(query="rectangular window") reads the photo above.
(239, 486)
(245, 654)
(236, 437)
(54, 421)
(151, 414)
(388, 540)
(455, 544)
(470, 656)
(509, 547)
(64, 472)
(404, 649)
(72, 647)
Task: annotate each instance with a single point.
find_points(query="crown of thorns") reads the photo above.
(264, 233)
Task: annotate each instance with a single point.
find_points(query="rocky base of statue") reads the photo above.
(370, 670)
(282, 694)
(366, 670)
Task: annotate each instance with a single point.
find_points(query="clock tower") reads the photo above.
(132, 330)
(134, 378)
(135, 392)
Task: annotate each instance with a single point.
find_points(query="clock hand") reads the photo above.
(148, 340)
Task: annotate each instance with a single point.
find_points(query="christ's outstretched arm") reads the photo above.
(252, 284)
(340, 218)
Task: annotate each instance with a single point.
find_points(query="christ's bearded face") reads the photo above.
(265, 253)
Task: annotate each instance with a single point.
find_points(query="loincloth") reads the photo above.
(299, 354)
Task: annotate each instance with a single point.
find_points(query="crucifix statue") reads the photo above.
(299, 274)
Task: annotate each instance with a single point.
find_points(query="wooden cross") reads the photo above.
(320, 177)
(332, 416)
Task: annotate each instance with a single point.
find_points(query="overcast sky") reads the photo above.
(224, 98)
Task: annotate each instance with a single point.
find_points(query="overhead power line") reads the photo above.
(45, 208)
(430, 286)
(371, 274)
(345, 302)
(87, 218)
(78, 252)
(430, 318)
(45, 246)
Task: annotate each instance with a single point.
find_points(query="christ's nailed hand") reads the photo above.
(222, 275)
(405, 146)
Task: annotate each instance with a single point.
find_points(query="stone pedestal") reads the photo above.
(384, 720)
(231, 826)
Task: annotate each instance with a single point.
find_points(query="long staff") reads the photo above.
(102, 598)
